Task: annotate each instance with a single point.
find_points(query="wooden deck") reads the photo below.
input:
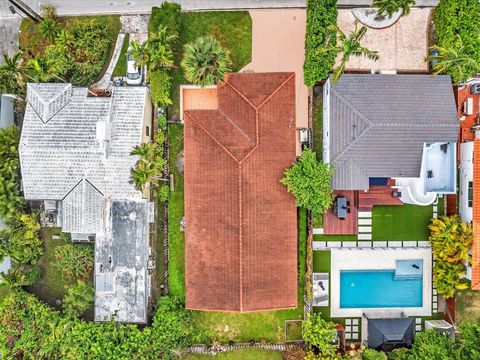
(332, 225)
(377, 195)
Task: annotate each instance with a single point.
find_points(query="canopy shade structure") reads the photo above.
(388, 334)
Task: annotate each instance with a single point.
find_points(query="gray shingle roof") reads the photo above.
(59, 151)
(379, 123)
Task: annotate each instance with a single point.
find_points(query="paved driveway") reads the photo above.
(402, 47)
(277, 45)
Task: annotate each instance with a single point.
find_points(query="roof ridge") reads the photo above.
(358, 113)
(292, 75)
(212, 136)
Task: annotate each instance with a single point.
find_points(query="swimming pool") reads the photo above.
(378, 289)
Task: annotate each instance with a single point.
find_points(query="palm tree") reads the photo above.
(64, 38)
(390, 7)
(159, 47)
(139, 53)
(15, 278)
(454, 61)
(142, 174)
(13, 73)
(43, 70)
(49, 28)
(205, 62)
(348, 46)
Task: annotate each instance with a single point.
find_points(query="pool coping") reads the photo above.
(378, 259)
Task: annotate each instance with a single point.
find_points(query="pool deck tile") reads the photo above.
(364, 229)
(409, 244)
(349, 244)
(364, 214)
(365, 221)
(334, 244)
(364, 236)
(364, 244)
(394, 244)
(379, 244)
(378, 259)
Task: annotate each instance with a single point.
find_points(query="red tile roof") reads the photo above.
(241, 224)
(476, 217)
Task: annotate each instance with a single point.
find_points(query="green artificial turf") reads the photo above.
(317, 127)
(321, 237)
(406, 222)
(321, 261)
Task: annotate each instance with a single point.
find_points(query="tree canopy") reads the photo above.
(309, 181)
(11, 201)
(451, 240)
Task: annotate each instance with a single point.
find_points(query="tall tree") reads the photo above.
(309, 181)
(49, 28)
(346, 46)
(11, 200)
(205, 61)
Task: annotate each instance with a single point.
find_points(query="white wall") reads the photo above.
(465, 175)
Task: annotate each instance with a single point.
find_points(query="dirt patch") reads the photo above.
(467, 306)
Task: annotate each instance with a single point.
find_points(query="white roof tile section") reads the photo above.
(56, 153)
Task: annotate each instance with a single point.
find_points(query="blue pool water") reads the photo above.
(378, 289)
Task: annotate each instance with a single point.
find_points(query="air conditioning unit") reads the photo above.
(475, 89)
(468, 106)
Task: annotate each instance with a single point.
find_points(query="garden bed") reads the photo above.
(244, 354)
(51, 287)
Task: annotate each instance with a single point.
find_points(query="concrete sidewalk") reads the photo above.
(89, 7)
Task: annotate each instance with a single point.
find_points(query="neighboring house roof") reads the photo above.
(75, 149)
(121, 278)
(59, 140)
(379, 124)
(241, 223)
(476, 217)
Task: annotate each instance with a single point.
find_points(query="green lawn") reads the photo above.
(321, 261)
(121, 67)
(176, 238)
(51, 287)
(243, 354)
(233, 29)
(318, 125)
(265, 325)
(407, 222)
(322, 237)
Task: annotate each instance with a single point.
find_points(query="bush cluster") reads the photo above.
(318, 64)
(456, 19)
(30, 329)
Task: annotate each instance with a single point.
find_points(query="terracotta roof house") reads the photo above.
(240, 222)
(468, 101)
(75, 162)
(403, 127)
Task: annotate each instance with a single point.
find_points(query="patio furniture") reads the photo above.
(340, 207)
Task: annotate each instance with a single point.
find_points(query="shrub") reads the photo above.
(309, 181)
(451, 240)
(10, 199)
(20, 239)
(431, 345)
(470, 338)
(161, 86)
(205, 62)
(79, 298)
(163, 193)
(49, 28)
(162, 123)
(74, 261)
(321, 334)
(455, 18)
(390, 7)
(318, 64)
(371, 354)
(33, 275)
(399, 354)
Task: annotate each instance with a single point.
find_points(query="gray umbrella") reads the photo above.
(390, 333)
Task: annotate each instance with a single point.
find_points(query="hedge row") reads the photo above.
(320, 14)
(459, 18)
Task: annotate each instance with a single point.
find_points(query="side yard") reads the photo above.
(244, 354)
